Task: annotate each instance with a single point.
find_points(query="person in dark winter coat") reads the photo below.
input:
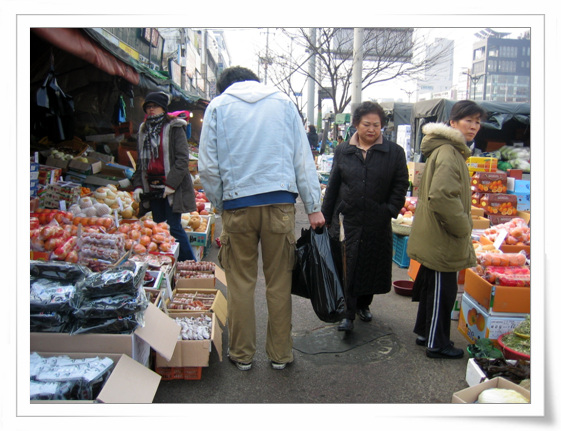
(163, 166)
(313, 138)
(440, 238)
(366, 189)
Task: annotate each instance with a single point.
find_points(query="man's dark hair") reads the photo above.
(232, 75)
(366, 108)
(466, 108)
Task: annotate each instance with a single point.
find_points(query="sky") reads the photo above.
(244, 43)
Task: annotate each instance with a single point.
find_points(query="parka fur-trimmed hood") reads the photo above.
(437, 134)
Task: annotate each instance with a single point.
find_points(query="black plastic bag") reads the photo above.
(315, 276)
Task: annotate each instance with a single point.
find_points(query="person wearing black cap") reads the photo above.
(163, 168)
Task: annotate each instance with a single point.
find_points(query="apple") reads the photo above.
(200, 207)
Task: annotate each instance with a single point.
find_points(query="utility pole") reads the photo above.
(311, 75)
(356, 84)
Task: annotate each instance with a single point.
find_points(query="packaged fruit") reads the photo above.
(508, 275)
(501, 259)
(498, 203)
(489, 182)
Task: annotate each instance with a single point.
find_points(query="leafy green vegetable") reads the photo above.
(484, 348)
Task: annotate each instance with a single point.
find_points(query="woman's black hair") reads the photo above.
(312, 129)
(466, 108)
(366, 108)
(232, 75)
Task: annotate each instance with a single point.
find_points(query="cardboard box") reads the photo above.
(475, 322)
(129, 382)
(514, 173)
(200, 238)
(48, 174)
(457, 305)
(91, 167)
(219, 305)
(416, 170)
(480, 222)
(498, 204)
(490, 182)
(101, 180)
(193, 353)
(500, 299)
(477, 211)
(524, 215)
(495, 219)
(159, 332)
(57, 163)
(470, 395)
(482, 164)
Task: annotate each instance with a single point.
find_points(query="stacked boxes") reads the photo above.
(522, 193)
(34, 178)
(49, 174)
(416, 170)
(66, 191)
(488, 311)
(482, 164)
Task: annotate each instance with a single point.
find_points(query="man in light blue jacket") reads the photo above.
(254, 161)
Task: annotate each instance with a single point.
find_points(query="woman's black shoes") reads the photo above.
(364, 314)
(346, 325)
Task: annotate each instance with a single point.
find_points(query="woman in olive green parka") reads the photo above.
(440, 238)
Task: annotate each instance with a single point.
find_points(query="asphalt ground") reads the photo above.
(378, 364)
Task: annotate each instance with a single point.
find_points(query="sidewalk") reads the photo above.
(388, 369)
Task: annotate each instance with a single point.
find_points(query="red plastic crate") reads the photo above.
(180, 373)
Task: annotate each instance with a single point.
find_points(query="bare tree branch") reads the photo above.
(389, 53)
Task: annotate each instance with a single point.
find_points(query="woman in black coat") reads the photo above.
(313, 138)
(367, 187)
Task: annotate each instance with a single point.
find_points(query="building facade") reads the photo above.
(501, 70)
(192, 58)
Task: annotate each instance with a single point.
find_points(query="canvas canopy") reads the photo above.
(397, 114)
(505, 122)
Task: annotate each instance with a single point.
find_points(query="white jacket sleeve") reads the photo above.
(209, 170)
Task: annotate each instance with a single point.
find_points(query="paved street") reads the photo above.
(388, 369)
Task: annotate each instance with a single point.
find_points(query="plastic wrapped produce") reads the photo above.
(48, 296)
(49, 322)
(118, 325)
(110, 306)
(64, 378)
(53, 270)
(508, 275)
(113, 281)
(501, 259)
